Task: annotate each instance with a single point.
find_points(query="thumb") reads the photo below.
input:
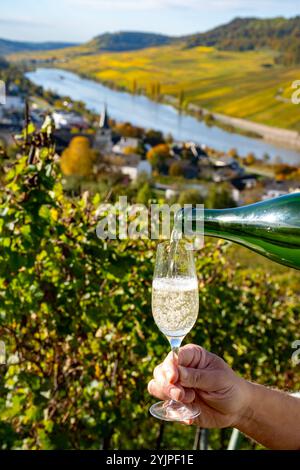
(203, 379)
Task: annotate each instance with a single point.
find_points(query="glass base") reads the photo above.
(174, 411)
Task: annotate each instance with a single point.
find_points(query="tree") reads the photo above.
(134, 86)
(126, 129)
(190, 196)
(78, 158)
(176, 169)
(181, 98)
(145, 194)
(158, 91)
(154, 137)
(219, 197)
(250, 159)
(233, 153)
(284, 171)
(158, 155)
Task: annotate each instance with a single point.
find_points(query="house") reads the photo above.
(64, 119)
(244, 182)
(197, 150)
(226, 168)
(270, 194)
(124, 144)
(176, 150)
(134, 171)
(130, 171)
(226, 162)
(103, 137)
(280, 188)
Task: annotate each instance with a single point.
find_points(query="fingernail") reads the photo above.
(175, 394)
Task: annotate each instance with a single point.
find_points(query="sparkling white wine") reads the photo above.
(175, 305)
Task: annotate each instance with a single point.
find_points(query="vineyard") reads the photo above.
(75, 316)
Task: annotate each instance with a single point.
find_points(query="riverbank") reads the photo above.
(285, 137)
(146, 113)
(288, 138)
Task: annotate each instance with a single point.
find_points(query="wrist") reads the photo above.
(246, 412)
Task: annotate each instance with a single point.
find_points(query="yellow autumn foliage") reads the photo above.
(78, 158)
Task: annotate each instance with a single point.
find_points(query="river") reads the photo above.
(141, 111)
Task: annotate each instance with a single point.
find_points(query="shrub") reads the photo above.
(76, 319)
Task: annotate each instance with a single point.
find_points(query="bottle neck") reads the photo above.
(213, 222)
(217, 222)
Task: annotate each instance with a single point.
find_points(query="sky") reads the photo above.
(81, 20)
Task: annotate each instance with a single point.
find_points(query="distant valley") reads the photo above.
(243, 69)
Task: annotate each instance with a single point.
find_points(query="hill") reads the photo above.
(244, 34)
(12, 47)
(243, 69)
(126, 41)
(241, 34)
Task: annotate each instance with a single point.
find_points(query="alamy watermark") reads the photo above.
(296, 354)
(137, 221)
(2, 353)
(2, 92)
(296, 93)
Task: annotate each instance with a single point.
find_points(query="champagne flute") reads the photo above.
(175, 305)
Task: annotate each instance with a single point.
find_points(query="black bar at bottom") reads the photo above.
(93, 460)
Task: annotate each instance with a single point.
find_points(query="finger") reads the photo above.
(189, 421)
(189, 395)
(170, 368)
(159, 374)
(203, 379)
(170, 391)
(166, 372)
(165, 391)
(192, 355)
(155, 389)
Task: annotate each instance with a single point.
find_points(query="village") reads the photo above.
(101, 146)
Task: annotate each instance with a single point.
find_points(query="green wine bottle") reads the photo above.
(271, 227)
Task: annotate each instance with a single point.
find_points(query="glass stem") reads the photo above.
(175, 343)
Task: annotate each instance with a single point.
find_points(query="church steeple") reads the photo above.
(104, 120)
(103, 136)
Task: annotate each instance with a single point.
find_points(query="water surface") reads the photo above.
(141, 111)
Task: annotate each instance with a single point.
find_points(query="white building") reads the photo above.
(125, 143)
(63, 119)
(133, 171)
(130, 171)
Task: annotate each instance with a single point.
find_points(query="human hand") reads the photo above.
(204, 379)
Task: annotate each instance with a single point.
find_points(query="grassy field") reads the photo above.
(242, 84)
